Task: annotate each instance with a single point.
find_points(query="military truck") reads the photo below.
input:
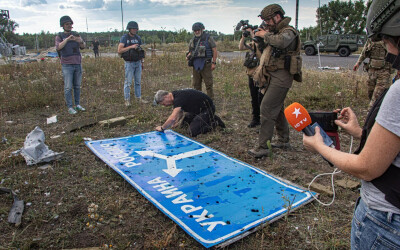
(342, 44)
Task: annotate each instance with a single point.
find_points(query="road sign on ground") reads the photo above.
(213, 197)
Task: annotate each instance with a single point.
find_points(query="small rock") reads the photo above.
(44, 167)
(321, 188)
(346, 183)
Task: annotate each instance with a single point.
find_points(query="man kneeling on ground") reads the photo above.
(198, 108)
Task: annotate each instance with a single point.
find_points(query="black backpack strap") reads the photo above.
(370, 120)
(388, 183)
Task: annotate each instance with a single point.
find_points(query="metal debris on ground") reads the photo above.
(52, 119)
(15, 214)
(35, 151)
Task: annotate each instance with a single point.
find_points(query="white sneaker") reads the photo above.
(72, 111)
(127, 103)
(80, 108)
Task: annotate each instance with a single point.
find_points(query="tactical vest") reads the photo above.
(282, 58)
(252, 58)
(132, 55)
(388, 183)
(377, 53)
(204, 50)
(70, 49)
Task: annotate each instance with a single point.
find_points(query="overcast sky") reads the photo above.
(34, 16)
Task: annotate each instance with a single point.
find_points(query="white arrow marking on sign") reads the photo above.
(171, 164)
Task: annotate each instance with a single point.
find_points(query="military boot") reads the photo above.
(259, 152)
(254, 123)
(281, 145)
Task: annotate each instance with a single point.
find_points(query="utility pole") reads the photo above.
(163, 29)
(319, 16)
(297, 14)
(234, 30)
(122, 16)
(87, 30)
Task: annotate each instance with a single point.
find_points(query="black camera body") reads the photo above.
(244, 25)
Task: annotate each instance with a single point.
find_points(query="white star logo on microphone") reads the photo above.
(296, 112)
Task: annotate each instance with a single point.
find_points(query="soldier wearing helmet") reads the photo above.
(251, 62)
(96, 46)
(279, 65)
(202, 56)
(376, 219)
(129, 49)
(378, 70)
(68, 45)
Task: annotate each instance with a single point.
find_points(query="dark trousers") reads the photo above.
(272, 115)
(256, 98)
(202, 123)
(96, 52)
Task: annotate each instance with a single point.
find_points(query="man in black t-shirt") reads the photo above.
(198, 108)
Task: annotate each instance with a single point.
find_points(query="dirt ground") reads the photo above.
(58, 197)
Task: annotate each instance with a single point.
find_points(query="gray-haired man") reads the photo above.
(198, 108)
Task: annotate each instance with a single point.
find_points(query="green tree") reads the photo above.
(342, 17)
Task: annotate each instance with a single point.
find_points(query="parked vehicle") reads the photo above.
(343, 44)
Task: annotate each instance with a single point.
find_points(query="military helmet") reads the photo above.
(198, 26)
(65, 19)
(270, 10)
(383, 18)
(132, 25)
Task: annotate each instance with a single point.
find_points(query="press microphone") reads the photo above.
(299, 119)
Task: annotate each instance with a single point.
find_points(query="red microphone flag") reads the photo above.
(297, 116)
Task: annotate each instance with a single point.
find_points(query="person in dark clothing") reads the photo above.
(198, 108)
(96, 46)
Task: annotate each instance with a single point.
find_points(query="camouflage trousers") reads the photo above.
(378, 80)
(206, 75)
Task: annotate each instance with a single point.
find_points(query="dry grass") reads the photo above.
(58, 214)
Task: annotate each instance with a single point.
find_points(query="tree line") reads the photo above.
(335, 17)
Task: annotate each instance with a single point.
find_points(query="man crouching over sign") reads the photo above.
(197, 109)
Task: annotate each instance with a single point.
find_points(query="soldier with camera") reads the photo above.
(378, 69)
(129, 49)
(251, 62)
(202, 56)
(280, 64)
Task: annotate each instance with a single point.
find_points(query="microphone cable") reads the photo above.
(335, 171)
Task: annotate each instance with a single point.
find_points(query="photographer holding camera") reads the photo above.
(280, 63)
(129, 49)
(202, 56)
(251, 62)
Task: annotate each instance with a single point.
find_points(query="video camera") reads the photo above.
(243, 25)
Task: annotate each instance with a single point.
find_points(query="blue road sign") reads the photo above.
(213, 197)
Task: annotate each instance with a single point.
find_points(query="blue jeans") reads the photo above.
(72, 81)
(374, 229)
(133, 70)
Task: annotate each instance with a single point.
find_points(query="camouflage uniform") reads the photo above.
(280, 64)
(378, 69)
